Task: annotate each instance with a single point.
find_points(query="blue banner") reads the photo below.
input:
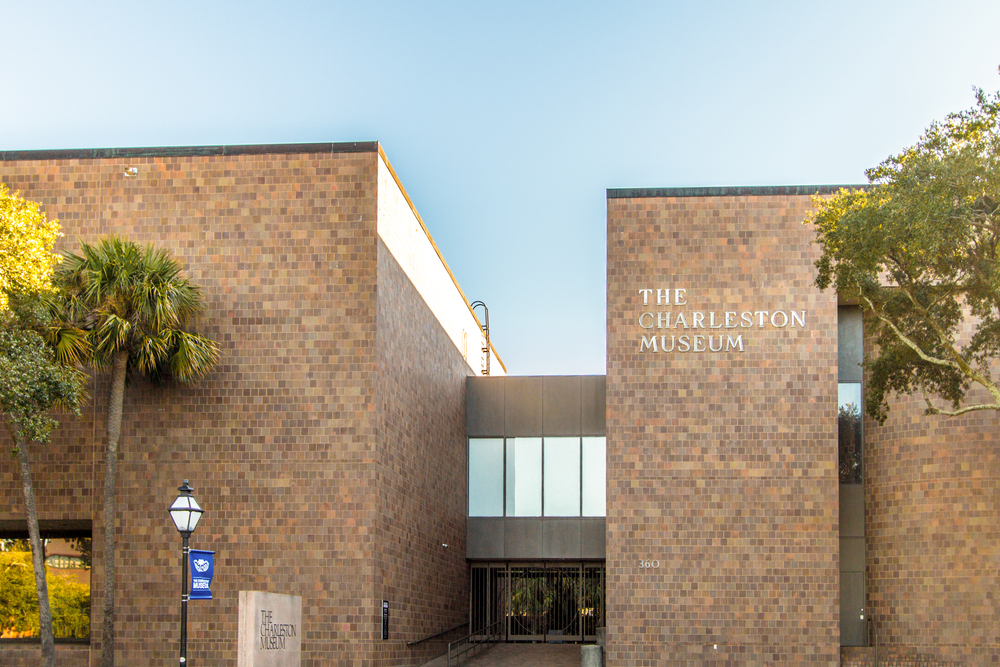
(202, 569)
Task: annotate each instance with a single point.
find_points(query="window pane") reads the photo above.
(594, 484)
(849, 428)
(562, 476)
(485, 477)
(68, 575)
(524, 477)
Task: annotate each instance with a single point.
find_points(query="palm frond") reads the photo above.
(71, 344)
(128, 296)
(194, 356)
(149, 352)
(112, 334)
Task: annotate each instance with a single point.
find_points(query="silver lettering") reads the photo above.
(783, 314)
(645, 295)
(698, 320)
(663, 320)
(730, 319)
(731, 344)
(648, 343)
(801, 318)
(763, 315)
(680, 297)
(650, 326)
(712, 347)
(663, 344)
(662, 297)
(699, 343)
(747, 317)
(681, 320)
(685, 343)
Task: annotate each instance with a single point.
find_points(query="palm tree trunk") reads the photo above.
(37, 558)
(115, 406)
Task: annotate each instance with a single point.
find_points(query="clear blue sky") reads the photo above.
(506, 122)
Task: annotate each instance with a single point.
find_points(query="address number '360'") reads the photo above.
(649, 564)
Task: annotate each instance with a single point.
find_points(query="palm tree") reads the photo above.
(133, 303)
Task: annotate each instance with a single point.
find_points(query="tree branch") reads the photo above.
(909, 343)
(933, 409)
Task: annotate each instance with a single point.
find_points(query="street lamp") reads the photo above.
(185, 513)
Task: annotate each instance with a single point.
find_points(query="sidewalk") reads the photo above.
(520, 655)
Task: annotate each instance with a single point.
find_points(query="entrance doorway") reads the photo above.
(539, 602)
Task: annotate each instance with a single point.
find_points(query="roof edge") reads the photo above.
(437, 250)
(730, 191)
(183, 151)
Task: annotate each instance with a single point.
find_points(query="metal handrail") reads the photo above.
(443, 632)
(870, 623)
(492, 633)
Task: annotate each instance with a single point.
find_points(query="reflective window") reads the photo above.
(524, 476)
(562, 477)
(594, 476)
(68, 558)
(849, 423)
(485, 477)
(533, 477)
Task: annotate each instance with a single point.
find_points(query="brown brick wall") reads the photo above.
(886, 657)
(721, 465)
(421, 472)
(282, 441)
(932, 502)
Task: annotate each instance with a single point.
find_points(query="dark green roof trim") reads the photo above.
(181, 151)
(738, 191)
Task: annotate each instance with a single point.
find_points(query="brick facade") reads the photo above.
(421, 471)
(932, 502)
(721, 464)
(328, 446)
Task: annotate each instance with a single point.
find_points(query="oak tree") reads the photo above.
(34, 381)
(919, 249)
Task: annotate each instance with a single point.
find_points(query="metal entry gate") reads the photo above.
(539, 601)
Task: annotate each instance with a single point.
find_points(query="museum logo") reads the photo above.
(672, 326)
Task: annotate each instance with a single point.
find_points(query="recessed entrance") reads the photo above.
(539, 602)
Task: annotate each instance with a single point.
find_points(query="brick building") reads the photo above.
(328, 448)
(691, 502)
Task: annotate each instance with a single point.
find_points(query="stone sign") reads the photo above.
(270, 630)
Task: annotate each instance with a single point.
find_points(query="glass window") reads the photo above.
(485, 477)
(594, 476)
(68, 578)
(562, 477)
(524, 477)
(849, 422)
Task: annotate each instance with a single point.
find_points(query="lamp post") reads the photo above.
(185, 513)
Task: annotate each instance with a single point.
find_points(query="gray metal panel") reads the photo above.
(523, 406)
(593, 404)
(852, 554)
(523, 538)
(484, 409)
(484, 537)
(852, 601)
(593, 538)
(852, 510)
(850, 340)
(561, 538)
(561, 405)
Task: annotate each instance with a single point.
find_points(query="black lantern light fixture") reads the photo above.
(185, 513)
